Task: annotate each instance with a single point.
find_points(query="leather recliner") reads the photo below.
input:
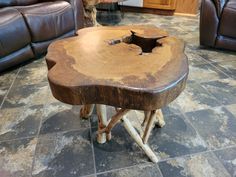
(27, 27)
(218, 24)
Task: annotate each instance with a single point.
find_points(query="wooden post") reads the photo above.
(134, 134)
(149, 126)
(160, 118)
(86, 111)
(114, 120)
(102, 122)
(146, 117)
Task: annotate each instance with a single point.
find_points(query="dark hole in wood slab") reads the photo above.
(146, 43)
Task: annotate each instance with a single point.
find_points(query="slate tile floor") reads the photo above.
(41, 137)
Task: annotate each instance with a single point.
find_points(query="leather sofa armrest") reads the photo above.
(209, 22)
(219, 4)
(78, 9)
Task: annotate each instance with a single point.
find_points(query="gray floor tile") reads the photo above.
(62, 117)
(8, 77)
(20, 122)
(232, 109)
(193, 98)
(64, 154)
(224, 90)
(202, 165)
(216, 126)
(228, 67)
(3, 92)
(214, 55)
(16, 157)
(35, 72)
(205, 73)
(147, 170)
(22, 95)
(228, 159)
(176, 138)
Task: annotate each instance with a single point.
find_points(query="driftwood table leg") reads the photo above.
(102, 122)
(86, 111)
(146, 117)
(114, 120)
(160, 118)
(135, 135)
(149, 126)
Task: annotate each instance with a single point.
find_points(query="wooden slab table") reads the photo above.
(128, 67)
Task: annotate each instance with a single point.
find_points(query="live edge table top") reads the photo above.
(109, 65)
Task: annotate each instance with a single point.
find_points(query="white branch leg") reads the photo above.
(102, 122)
(160, 118)
(146, 117)
(149, 126)
(113, 121)
(135, 135)
(86, 110)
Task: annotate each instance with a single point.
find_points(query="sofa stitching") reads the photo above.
(59, 11)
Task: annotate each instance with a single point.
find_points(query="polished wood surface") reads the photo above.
(95, 68)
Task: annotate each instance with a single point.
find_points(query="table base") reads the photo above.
(104, 126)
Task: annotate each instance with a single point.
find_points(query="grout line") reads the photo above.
(185, 118)
(88, 175)
(158, 168)
(219, 70)
(209, 93)
(123, 168)
(221, 163)
(198, 153)
(91, 141)
(16, 139)
(66, 131)
(10, 87)
(37, 136)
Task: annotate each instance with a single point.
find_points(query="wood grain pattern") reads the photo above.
(160, 4)
(87, 69)
(187, 6)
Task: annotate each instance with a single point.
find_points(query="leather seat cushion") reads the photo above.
(12, 28)
(48, 20)
(228, 20)
(5, 3)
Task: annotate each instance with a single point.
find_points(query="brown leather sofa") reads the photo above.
(218, 24)
(27, 27)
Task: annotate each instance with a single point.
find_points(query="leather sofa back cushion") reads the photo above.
(5, 3)
(228, 20)
(14, 34)
(48, 20)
